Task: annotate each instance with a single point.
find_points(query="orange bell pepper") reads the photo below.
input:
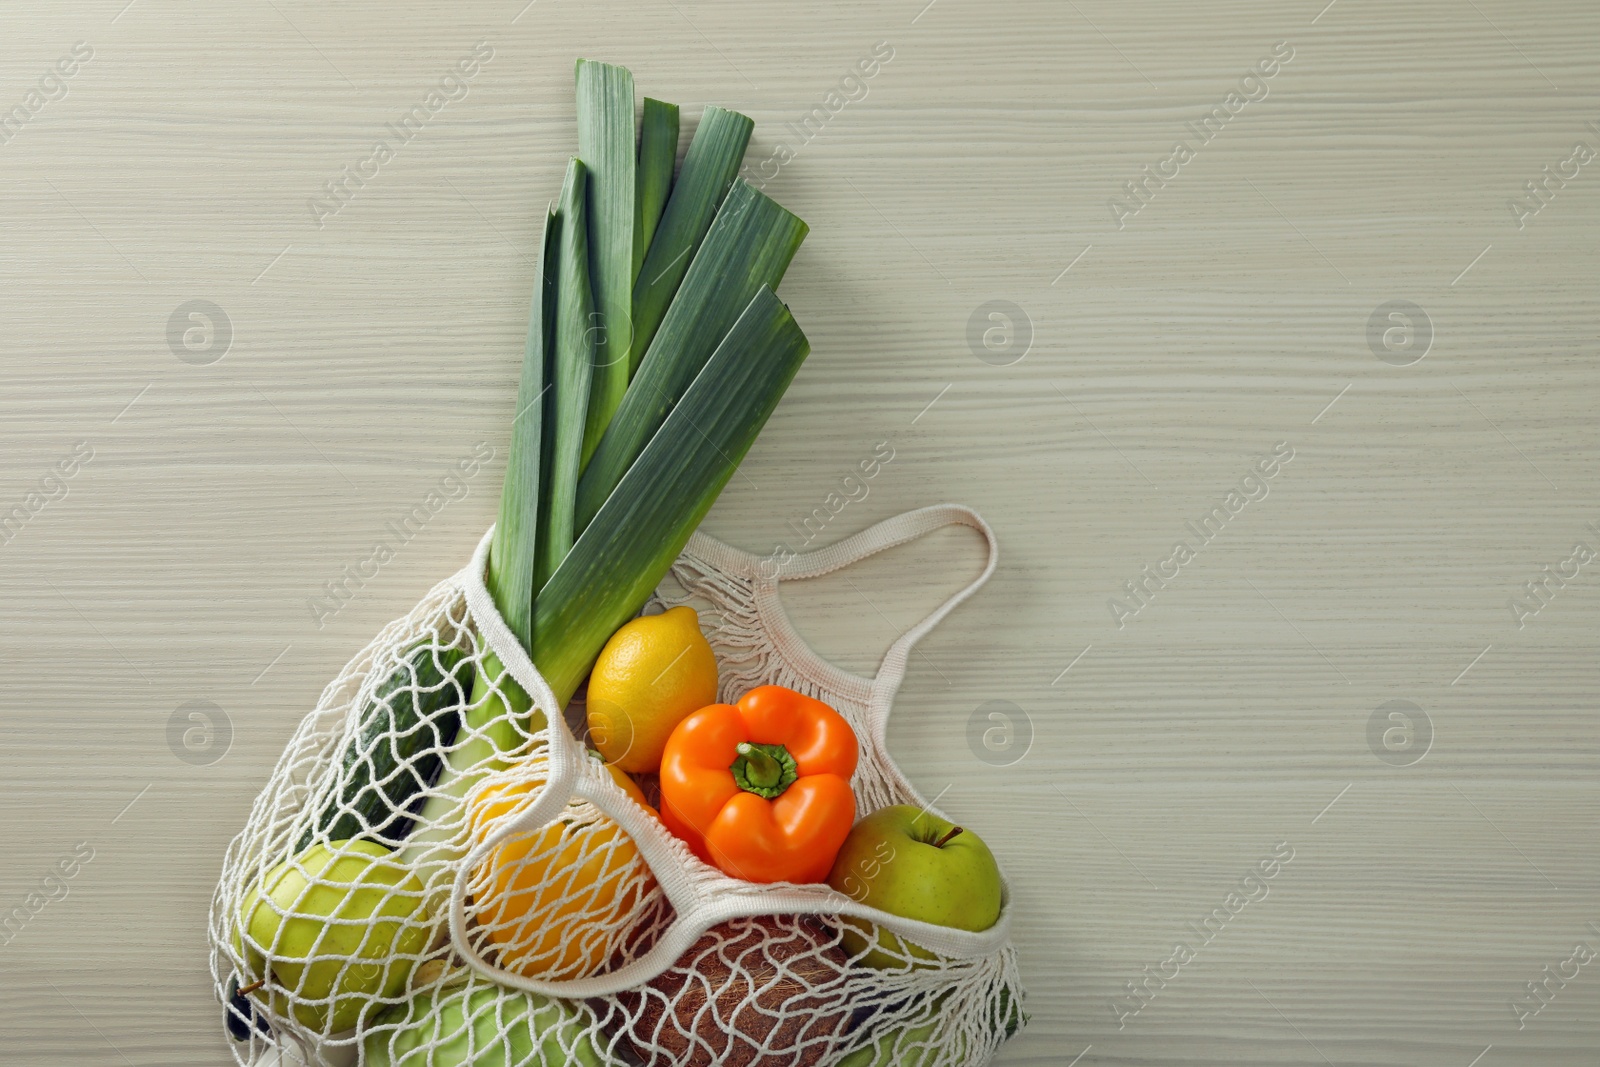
(761, 789)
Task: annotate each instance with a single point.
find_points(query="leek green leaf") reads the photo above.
(658, 154)
(511, 554)
(571, 375)
(748, 246)
(634, 538)
(607, 145)
(709, 168)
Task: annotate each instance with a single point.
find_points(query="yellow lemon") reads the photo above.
(654, 672)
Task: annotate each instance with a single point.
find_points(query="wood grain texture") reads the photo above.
(1225, 316)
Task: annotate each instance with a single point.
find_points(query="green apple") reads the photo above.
(330, 931)
(911, 863)
(483, 1027)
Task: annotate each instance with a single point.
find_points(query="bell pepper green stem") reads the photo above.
(760, 768)
(765, 770)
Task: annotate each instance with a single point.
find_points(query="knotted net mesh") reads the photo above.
(583, 932)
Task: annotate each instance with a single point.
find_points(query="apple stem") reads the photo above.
(245, 991)
(947, 837)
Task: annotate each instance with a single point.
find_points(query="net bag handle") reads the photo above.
(891, 533)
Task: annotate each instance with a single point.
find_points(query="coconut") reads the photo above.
(765, 991)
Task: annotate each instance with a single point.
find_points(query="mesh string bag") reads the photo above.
(427, 883)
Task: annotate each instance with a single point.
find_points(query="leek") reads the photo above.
(571, 376)
(577, 552)
(490, 717)
(626, 551)
(606, 144)
(511, 554)
(749, 245)
(489, 723)
(498, 703)
(709, 167)
(658, 154)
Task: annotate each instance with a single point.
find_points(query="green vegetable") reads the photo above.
(497, 718)
(607, 146)
(658, 154)
(514, 552)
(511, 554)
(396, 752)
(498, 703)
(749, 246)
(709, 167)
(626, 550)
(572, 378)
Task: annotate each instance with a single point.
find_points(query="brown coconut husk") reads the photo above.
(767, 991)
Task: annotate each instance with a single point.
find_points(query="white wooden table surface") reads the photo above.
(1137, 374)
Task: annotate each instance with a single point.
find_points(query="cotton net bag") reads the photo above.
(531, 909)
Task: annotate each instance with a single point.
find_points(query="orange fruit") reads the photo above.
(556, 900)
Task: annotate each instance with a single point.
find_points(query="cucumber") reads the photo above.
(397, 750)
